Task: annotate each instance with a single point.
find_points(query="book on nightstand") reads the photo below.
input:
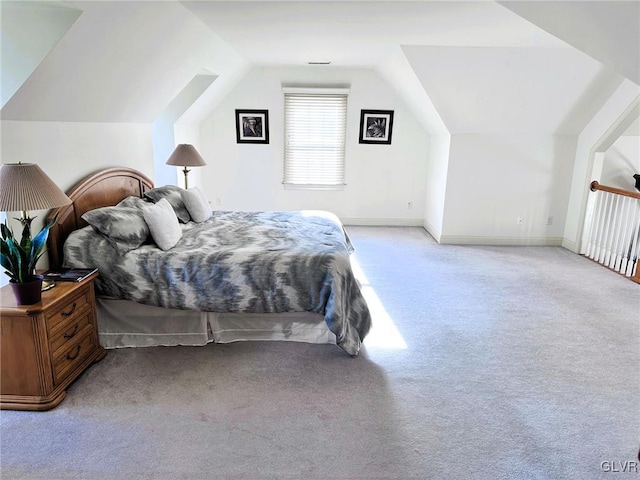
(69, 274)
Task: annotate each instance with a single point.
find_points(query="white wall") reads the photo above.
(613, 110)
(381, 179)
(29, 31)
(67, 152)
(621, 162)
(494, 179)
(436, 186)
(164, 141)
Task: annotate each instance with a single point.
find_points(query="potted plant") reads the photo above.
(19, 260)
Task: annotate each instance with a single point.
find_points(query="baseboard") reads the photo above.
(501, 241)
(456, 239)
(383, 222)
(570, 245)
(435, 233)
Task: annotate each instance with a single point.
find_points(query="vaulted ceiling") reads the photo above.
(526, 66)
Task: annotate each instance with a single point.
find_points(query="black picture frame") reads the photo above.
(376, 127)
(252, 126)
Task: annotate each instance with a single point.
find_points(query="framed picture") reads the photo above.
(252, 126)
(376, 126)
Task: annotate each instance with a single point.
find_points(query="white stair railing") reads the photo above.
(614, 235)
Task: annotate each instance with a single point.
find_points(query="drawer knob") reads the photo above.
(75, 355)
(72, 334)
(67, 313)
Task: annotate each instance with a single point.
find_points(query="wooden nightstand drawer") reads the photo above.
(46, 346)
(66, 359)
(74, 328)
(68, 311)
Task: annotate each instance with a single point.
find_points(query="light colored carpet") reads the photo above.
(484, 363)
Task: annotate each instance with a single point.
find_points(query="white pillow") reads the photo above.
(197, 204)
(163, 224)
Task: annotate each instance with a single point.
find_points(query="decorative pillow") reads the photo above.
(133, 202)
(173, 195)
(197, 204)
(163, 224)
(123, 227)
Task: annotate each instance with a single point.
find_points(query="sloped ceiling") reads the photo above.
(21, 51)
(608, 31)
(120, 62)
(633, 130)
(353, 33)
(483, 66)
(512, 90)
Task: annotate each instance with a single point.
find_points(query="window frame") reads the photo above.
(290, 152)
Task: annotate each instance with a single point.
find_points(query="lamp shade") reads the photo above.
(24, 186)
(186, 155)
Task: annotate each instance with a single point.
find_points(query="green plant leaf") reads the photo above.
(25, 240)
(6, 231)
(38, 245)
(7, 264)
(20, 259)
(9, 256)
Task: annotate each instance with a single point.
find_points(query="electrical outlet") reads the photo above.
(409, 205)
(218, 201)
(520, 221)
(550, 221)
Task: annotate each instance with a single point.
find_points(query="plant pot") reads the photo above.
(29, 292)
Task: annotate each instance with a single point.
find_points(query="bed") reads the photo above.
(234, 276)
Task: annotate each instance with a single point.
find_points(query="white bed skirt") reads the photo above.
(122, 323)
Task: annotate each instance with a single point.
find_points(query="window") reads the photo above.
(315, 132)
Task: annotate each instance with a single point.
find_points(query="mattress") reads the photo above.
(237, 263)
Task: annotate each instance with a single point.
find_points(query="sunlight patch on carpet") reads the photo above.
(383, 333)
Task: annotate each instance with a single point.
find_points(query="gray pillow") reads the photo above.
(163, 224)
(123, 227)
(133, 202)
(173, 195)
(197, 204)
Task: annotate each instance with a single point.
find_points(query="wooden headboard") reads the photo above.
(100, 189)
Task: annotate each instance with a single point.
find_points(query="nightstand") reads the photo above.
(44, 347)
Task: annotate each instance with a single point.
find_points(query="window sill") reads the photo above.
(297, 186)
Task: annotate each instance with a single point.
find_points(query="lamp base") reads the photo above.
(186, 178)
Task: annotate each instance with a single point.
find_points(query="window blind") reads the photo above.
(315, 133)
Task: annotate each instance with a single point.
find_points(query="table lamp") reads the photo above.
(24, 187)
(186, 155)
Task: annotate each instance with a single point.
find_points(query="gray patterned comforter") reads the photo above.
(251, 262)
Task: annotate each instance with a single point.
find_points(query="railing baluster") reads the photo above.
(612, 253)
(611, 225)
(595, 225)
(614, 230)
(605, 229)
(632, 265)
(625, 232)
